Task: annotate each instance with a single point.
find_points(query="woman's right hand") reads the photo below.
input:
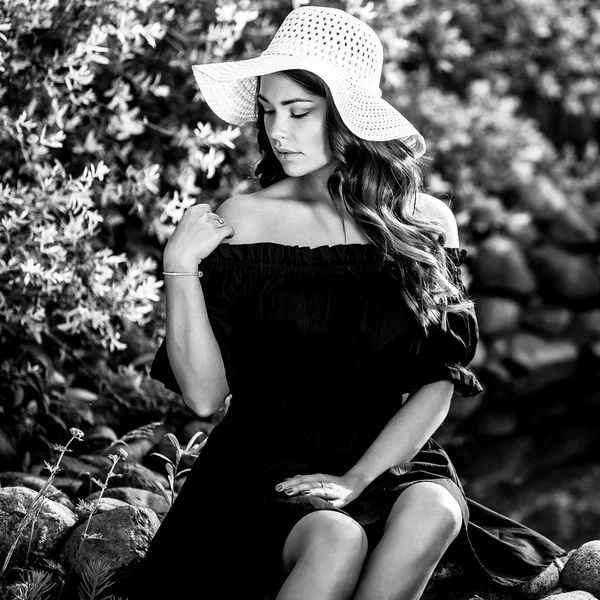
(197, 234)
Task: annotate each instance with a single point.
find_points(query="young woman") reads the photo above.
(331, 311)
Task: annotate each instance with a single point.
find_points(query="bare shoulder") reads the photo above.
(430, 207)
(246, 214)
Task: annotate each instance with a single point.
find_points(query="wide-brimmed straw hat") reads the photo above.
(342, 50)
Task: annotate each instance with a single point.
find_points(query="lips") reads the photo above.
(285, 151)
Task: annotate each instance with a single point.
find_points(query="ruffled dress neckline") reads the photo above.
(343, 254)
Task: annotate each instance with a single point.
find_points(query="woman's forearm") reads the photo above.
(406, 432)
(193, 351)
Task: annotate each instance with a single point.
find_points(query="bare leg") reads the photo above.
(323, 556)
(422, 524)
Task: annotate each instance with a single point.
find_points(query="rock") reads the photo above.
(582, 571)
(52, 524)
(585, 326)
(578, 595)
(497, 315)
(125, 474)
(103, 505)
(573, 226)
(533, 352)
(542, 584)
(137, 476)
(35, 483)
(543, 362)
(120, 536)
(98, 438)
(136, 497)
(566, 278)
(550, 321)
(496, 424)
(542, 196)
(501, 267)
(84, 466)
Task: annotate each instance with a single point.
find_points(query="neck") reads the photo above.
(312, 187)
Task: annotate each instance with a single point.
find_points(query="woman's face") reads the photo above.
(295, 124)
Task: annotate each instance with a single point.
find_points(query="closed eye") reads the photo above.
(271, 112)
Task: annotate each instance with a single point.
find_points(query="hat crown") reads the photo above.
(334, 37)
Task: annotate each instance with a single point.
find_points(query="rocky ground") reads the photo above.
(80, 522)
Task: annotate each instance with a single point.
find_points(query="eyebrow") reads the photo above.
(285, 102)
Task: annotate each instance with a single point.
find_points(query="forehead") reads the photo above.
(277, 87)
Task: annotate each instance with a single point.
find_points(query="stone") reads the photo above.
(550, 321)
(497, 315)
(500, 265)
(577, 595)
(102, 506)
(582, 571)
(119, 537)
(496, 424)
(566, 278)
(573, 226)
(136, 497)
(35, 483)
(51, 525)
(98, 437)
(542, 584)
(585, 326)
(534, 352)
(543, 361)
(542, 196)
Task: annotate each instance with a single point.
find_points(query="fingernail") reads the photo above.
(305, 492)
(279, 487)
(289, 490)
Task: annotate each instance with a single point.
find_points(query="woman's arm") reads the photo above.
(406, 432)
(192, 349)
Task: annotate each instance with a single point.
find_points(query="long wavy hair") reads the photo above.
(378, 184)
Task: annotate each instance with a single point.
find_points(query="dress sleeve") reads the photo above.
(445, 354)
(221, 287)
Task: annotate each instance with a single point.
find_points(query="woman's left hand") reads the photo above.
(338, 491)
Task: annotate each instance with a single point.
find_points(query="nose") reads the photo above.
(278, 128)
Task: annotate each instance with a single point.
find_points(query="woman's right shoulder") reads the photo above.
(247, 214)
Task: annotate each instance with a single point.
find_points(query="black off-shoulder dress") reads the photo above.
(320, 350)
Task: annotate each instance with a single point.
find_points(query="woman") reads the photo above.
(340, 353)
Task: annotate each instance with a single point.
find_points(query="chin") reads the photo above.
(300, 170)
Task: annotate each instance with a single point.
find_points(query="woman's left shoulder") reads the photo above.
(430, 207)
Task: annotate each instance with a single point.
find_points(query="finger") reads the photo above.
(315, 489)
(296, 486)
(295, 480)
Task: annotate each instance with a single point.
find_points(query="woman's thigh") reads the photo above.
(328, 534)
(427, 513)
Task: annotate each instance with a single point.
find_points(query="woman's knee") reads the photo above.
(433, 512)
(325, 533)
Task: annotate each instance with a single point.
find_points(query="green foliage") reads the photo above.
(105, 140)
(191, 449)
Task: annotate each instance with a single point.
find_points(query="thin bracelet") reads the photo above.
(182, 273)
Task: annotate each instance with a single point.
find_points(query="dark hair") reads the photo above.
(378, 184)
